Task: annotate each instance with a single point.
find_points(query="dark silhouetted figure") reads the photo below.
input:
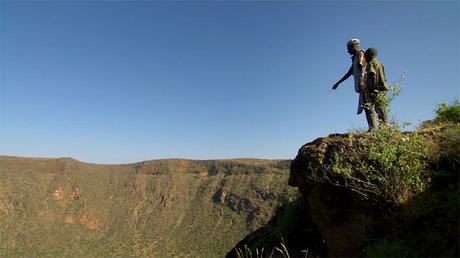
(375, 98)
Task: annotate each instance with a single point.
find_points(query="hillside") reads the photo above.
(63, 207)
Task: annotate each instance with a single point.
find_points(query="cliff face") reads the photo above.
(63, 207)
(385, 190)
(386, 193)
(344, 218)
(327, 220)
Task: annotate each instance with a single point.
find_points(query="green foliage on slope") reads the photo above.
(385, 164)
(446, 113)
(390, 165)
(157, 208)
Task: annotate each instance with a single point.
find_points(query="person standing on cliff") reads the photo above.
(357, 69)
(375, 90)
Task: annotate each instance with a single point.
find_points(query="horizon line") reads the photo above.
(135, 162)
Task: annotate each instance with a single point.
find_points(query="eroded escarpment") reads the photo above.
(153, 208)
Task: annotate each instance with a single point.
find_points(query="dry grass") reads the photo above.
(277, 251)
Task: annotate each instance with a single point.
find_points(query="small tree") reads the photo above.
(448, 113)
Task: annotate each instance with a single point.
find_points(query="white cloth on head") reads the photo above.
(353, 42)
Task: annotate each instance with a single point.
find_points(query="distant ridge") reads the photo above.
(167, 207)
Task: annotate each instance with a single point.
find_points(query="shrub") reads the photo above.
(445, 114)
(446, 152)
(384, 164)
(448, 113)
(445, 127)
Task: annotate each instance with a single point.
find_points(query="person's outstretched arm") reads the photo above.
(348, 74)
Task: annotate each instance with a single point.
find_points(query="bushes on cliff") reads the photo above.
(384, 164)
(389, 164)
(448, 113)
(445, 154)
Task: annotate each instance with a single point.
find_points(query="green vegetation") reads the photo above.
(390, 249)
(63, 207)
(394, 91)
(449, 153)
(448, 113)
(160, 208)
(388, 164)
(427, 224)
(384, 164)
(385, 193)
(445, 114)
(445, 154)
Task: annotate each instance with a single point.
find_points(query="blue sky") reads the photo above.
(125, 81)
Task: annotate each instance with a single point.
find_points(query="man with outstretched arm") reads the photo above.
(357, 69)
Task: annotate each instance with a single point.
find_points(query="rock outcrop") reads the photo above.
(346, 212)
(345, 219)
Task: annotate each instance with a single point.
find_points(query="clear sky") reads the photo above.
(125, 81)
